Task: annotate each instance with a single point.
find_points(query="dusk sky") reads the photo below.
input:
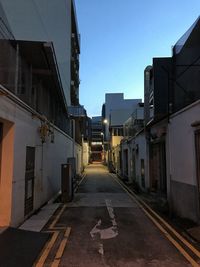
(119, 38)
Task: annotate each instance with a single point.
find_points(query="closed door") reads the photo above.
(29, 179)
(158, 167)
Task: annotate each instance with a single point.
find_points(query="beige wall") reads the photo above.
(116, 140)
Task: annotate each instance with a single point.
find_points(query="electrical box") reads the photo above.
(66, 183)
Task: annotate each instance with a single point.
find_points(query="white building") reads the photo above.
(34, 125)
(46, 21)
(117, 111)
(133, 149)
(184, 161)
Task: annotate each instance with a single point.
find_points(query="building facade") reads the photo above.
(35, 92)
(184, 126)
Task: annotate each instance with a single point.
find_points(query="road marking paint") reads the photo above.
(173, 241)
(112, 217)
(181, 238)
(170, 238)
(192, 248)
(47, 249)
(57, 217)
(101, 249)
(109, 232)
(95, 230)
(52, 226)
(84, 175)
(55, 231)
(61, 248)
(111, 211)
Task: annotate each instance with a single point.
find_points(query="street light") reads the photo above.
(105, 128)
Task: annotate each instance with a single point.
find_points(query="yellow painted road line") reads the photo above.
(192, 248)
(84, 175)
(181, 238)
(59, 228)
(43, 257)
(57, 217)
(82, 179)
(61, 248)
(175, 243)
(52, 225)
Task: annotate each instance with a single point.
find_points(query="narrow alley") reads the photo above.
(104, 226)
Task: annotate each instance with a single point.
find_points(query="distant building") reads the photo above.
(96, 139)
(116, 111)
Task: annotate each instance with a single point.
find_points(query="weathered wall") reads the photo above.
(182, 165)
(48, 159)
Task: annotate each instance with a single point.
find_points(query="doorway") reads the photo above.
(29, 179)
(157, 162)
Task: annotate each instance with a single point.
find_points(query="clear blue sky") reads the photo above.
(119, 38)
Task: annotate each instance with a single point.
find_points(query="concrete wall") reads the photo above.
(48, 159)
(126, 147)
(79, 158)
(86, 154)
(46, 20)
(182, 165)
(119, 116)
(115, 155)
(136, 151)
(140, 148)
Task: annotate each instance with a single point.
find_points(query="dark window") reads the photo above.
(29, 179)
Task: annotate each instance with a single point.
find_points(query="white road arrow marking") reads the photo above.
(106, 233)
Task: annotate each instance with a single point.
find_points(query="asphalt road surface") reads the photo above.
(104, 226)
